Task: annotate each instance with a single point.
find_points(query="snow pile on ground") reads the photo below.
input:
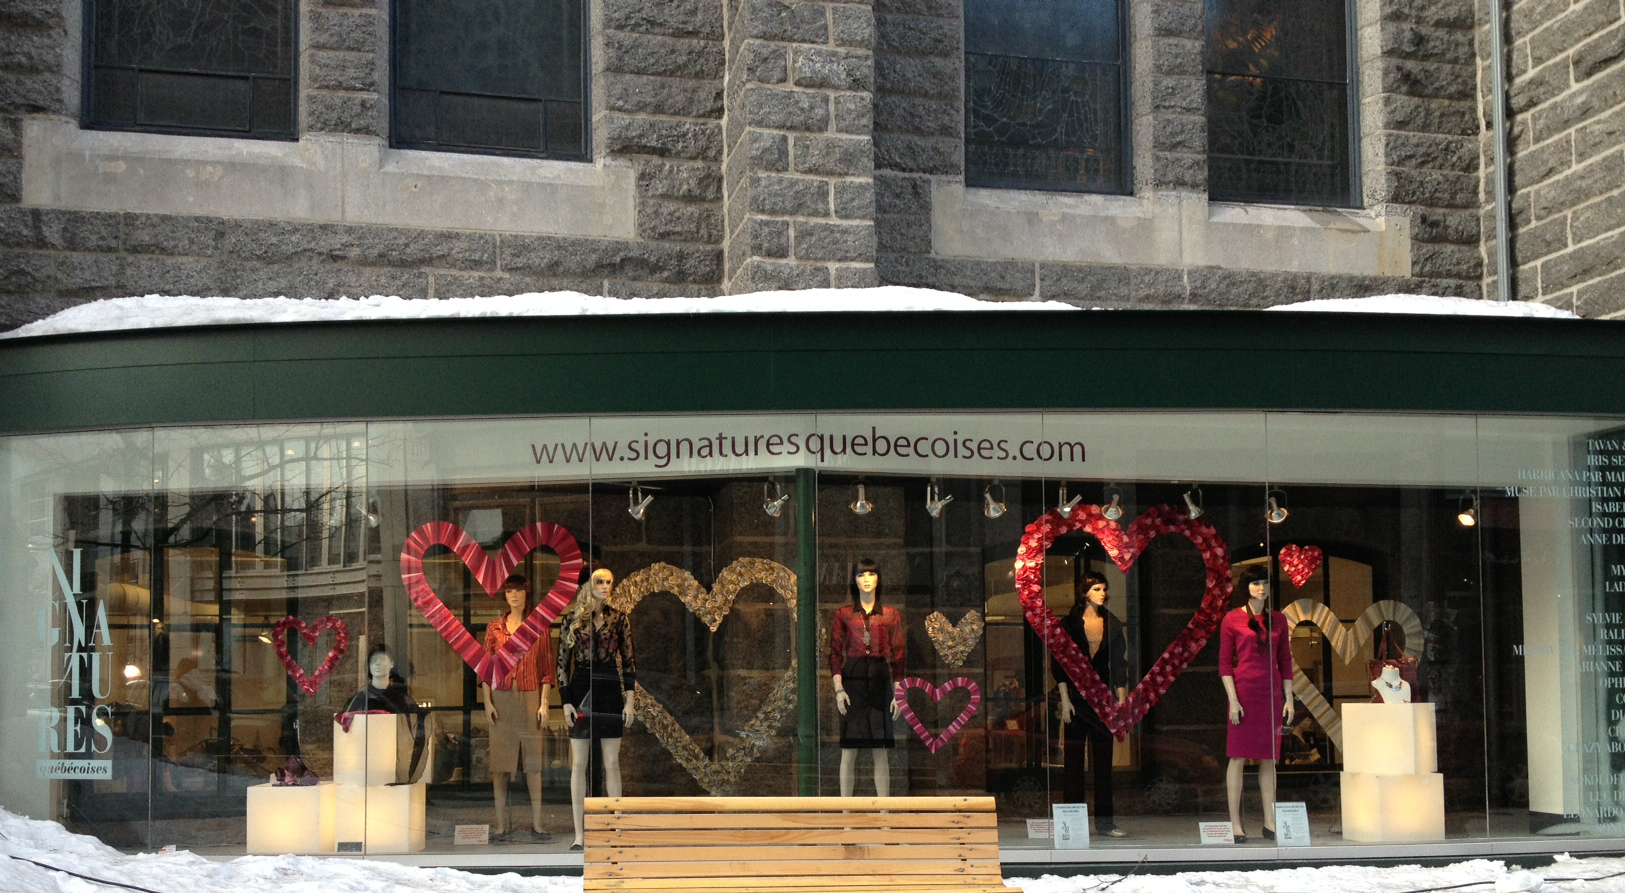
(41, 857)
(160, 311)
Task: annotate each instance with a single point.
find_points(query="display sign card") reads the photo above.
(478, 835)
(1211, 833)
(1071, 826)
(1039, 829)
(1291, 824)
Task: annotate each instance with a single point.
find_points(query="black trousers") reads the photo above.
(1085, 734)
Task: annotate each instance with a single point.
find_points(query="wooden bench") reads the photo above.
(792, 844)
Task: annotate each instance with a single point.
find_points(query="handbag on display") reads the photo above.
(1389, 655)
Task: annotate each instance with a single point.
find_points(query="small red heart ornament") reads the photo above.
(491, 668)
(1300, 562)
(1123, 546)
(933, 742)
(311, 682)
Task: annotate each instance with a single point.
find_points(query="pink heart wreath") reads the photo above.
(1300, 562)
(491, 668)
(310, 683)
(934, 743)
(1124, 547)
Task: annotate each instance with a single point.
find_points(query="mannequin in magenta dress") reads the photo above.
(1255, 665)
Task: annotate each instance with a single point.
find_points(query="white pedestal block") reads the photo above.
(383, 818)
(1393, 808)
(1389, 739)
(366, 755)
(294, 819)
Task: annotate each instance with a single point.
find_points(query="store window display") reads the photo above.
(1099, 634)
(598, 675)
(866, 668)
(516, 709)
(1255, 667)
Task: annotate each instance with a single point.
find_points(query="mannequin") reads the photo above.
(1390, 688)
(1099, 634)
(866, 667)
(385, 692)
(598, 676)
(516, 709)
(1255, 666)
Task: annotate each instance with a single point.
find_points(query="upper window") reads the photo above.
(1279, 103)
(1045, 94)
(209, 67)
(490, 76)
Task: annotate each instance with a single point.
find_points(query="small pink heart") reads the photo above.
(311, 682)
(1300, 562)
(934, 743)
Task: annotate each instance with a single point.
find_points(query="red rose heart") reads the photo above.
(313, 681)
(1300, 562)
(491, 668)
(934, 743)
(1124, 547)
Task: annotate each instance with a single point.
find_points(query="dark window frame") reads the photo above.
(1350, 195)
(1123, 182)
(96, 115)
(397, 125)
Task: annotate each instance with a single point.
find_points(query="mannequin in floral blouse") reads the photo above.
(597, 677)
(866, 665)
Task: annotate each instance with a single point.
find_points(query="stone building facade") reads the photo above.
(741, 145)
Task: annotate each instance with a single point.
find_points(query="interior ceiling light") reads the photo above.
(1193, 502)
(1113, 509)
(993, 508)
(1277, 507)
(934, 500)
(1468, 516)
(637, 504)
(862, 505)
(771, 503)
(1067, 505)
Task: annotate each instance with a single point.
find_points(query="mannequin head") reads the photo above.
(379, 663)
(865, 581)
(516, 594)
(601, 584)
(1091, 590)
(1255, 583)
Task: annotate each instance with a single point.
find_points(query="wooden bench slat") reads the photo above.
(788, 804)
(814, 883)
(655, 822)
(767, 837)
(869, 869)
(722, 852)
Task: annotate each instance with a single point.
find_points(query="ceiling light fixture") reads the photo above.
(1193, 502)
(637, 504)
(1067, 505)
(1277, 507)
(934, 500)
(773, 499)
(1468, 516)
(993, 508)
(862, 505)
(1113, 509)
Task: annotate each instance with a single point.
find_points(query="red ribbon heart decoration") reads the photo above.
(1123, 547)
(934, 743)
(309, 683)
(491, 668)
(1300, 562)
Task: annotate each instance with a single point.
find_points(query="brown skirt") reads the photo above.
(516, 731)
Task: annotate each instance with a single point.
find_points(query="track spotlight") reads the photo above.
(1113, 509)
(1193, 502)
(993, 508)
(862, 505)
(637, 504)
(1067, 505)
(1277, 507)
(934, 500)
(773, 504)
(1468, 516)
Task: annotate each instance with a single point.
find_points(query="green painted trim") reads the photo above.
(804, 362)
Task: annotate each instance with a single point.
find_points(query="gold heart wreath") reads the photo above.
(954, 643)
(1347, 640)
(719, 777)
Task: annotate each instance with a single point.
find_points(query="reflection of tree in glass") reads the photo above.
(1041, 119)
(196, 35)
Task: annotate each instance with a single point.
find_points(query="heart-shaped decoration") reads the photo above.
(934, 743)
(1123, 546)
(954, 643)
(1300, 562)
(720, 777)
(1348, 641)
(489, 573)
(311, 682)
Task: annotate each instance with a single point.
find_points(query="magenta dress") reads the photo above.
(1258, 669)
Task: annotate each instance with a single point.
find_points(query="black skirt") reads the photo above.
(867, 723)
